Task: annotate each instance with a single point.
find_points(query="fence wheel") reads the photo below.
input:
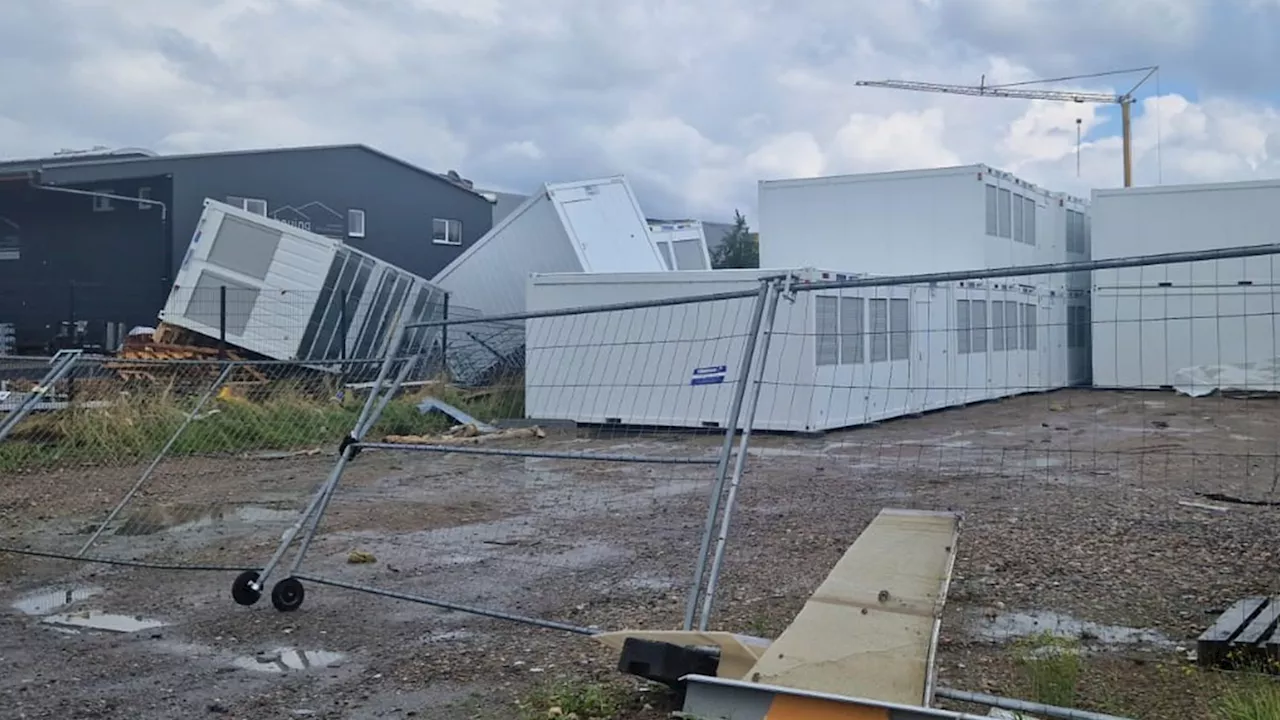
(242, 589)
(288, 594)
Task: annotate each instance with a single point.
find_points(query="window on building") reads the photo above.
(1029, 330)
(978, 320)
(852, 332)
(1018, 226)
(257, 206)
(103, 204)
(963, 328)
(900, 329)
(1003, 216)
(1073, 327)
(144, 193)
(355, 223)
(10, 240)
(1029, 220)
(446, 232)
(879, 330)
(1011, 336)
(827, 328)
(997, 325)
(993, 227)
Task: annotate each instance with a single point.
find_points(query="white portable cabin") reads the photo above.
(588, 226)
(1194, 326)
(682, 244)
(838, 358)
(285, 288)
(969, 217)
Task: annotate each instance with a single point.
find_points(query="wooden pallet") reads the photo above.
(1243, 635)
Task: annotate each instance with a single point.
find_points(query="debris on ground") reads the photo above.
(429, 403)
(360, 557)
(466, 435)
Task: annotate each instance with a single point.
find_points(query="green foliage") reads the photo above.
(1051, 668)
(575, 700)
(1257, 697)
(740, 248)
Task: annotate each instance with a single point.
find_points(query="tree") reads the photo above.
(740, 247)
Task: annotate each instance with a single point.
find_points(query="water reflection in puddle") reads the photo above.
(1009, 626)
(46, 601)
(289, 660)
(94, 620)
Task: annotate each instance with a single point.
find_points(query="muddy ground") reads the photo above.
(1075, 522)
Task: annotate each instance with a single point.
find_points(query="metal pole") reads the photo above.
(155, 462)
(1052, 711)
(741, 461)
(444, 337)
(335, 474)
(222, 322)
(726, 449)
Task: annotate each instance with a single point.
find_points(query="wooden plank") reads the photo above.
(1215, 645)
(868, 629)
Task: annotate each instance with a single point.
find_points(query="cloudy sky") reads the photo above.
(693, 100)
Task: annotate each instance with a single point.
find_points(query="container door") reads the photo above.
(930, 357)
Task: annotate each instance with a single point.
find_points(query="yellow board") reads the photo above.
(869, 631)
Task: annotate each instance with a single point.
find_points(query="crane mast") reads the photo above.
(1020, 91)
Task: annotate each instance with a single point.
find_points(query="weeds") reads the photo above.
(1052, 666)
(1255, 698)
(134, 425)
(575, 700)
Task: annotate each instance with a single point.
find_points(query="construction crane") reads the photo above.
(1019, 91)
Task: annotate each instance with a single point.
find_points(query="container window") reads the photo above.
(879, 330)
(852, 331)
(446, 231)
(978, 320)
(1018, 227)
(1029, 330)
(997, 325)
(827, 325)
(900, 326)
(1011, 336)
(1003, 214)
(144, 193)
(355, 223)
(1073, 327)
(993, 228)
(103, 204)
(664, 249)
(257, 206)
(10, 240)
(688, 255)
(963, 346)
(1029, 220)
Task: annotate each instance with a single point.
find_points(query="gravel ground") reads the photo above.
(1073, 523)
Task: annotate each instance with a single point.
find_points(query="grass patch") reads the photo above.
(1051, 667)
(1256, 697)
(577, 700)
(135, 424)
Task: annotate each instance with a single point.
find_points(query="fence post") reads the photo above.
(72, 336)
(726, 449)
(444, 337)
(222, 322)
(342, 346)
(740, 462)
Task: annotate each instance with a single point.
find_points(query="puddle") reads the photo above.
(184, 518)
(94, 620)
(289, 660)
(47, 601)
(1009, 626)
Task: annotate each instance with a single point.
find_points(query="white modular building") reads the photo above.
(1199, 326)
(970, 217)
(588, 226)
(285, 289)
(837, 358)
(682, 244)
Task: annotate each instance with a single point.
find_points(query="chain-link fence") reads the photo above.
(1113, 446)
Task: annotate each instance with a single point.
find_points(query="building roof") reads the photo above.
(133, 155)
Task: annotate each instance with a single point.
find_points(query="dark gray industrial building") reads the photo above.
(96, 238)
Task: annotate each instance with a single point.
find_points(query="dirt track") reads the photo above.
(1071, 505)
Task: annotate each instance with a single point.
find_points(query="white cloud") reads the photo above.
(694, 101)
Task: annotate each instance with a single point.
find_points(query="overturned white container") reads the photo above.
(682, 244)
(580, 227)
(285, 288)
(837, 359)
